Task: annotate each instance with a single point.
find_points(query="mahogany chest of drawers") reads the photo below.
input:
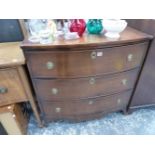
(88, 77)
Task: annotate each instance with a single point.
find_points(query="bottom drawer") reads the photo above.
(67, 109)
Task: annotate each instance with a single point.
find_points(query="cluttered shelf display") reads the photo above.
(46, 31)
(83, 69)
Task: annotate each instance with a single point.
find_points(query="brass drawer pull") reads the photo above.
(93, 55)
(49, 65)
(91, 102)
(92, 81)
(119, 101)
(13, 115)
(9, 107)
(57, 110)
(124, 82)
(54, 91)
(130, 57)
(3, 90)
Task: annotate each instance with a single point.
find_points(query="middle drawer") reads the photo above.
(60, 89)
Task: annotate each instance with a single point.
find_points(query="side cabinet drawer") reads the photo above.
(11, 89)
(89, 106)
(68, 64)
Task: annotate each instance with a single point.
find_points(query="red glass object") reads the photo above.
(78, 25)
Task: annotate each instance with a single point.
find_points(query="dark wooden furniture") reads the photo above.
(85, 78)
(144, 95)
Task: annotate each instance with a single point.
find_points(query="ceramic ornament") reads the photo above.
(94, 26)
(78, 25)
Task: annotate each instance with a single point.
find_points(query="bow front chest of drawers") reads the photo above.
(88, 77)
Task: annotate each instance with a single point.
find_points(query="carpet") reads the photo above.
(140, 122)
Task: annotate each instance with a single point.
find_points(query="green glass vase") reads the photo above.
(94, 26)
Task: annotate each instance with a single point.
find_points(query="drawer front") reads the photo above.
(78, 107)
(65, 64)
(61, 89)
(11, 90)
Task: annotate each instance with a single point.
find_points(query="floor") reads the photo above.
(140, 122)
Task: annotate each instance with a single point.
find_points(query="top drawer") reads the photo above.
(69, 64)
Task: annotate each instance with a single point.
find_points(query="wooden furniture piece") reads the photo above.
(14, 84)
(88, 77)
(14, 119)
(144, 92)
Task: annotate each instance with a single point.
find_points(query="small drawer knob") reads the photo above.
(124, 82)
(93, 55)
(9, 107)
(57, 110)
(91, 102)
(13, 115)
(3, 90)
(49, 65)
(119, 101)
(54, 91)
(92, 81)
(130, 57)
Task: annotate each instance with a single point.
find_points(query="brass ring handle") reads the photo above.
(3, 90)
(124, 82)
(49, 65)
(54, 91)
(92, 81)
(93, 55)
(130, 57)
(119, 101)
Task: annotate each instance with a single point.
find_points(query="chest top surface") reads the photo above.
(11, 54)
(130, 35)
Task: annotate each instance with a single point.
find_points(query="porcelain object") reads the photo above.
(45, 37)
(71, 36)
(59, 34)
(34, 39)
(113, 27)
